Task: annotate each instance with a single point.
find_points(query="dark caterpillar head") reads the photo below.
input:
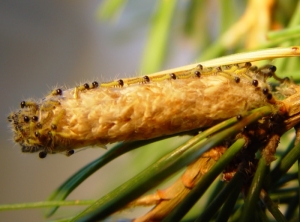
(86, 86)
(95, 84)
(42, 154)
(173, 76)
(70, 152)
(121, 82)
(237, 79)
(255, 82)
(200, 67)
(197, 74)
(57, 92)
(146, 78)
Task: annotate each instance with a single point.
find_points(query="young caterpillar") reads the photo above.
(140, 108)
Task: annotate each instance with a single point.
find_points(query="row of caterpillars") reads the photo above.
(234, 72)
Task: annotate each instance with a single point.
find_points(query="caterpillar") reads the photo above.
(96, 114)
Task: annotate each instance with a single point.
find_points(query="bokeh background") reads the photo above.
(44, 44)
(49, 44)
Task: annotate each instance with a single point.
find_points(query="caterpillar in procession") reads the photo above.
(180, 100)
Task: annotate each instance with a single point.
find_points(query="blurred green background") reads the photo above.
(45, 44)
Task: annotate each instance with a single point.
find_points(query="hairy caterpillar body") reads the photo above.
(139, 108)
